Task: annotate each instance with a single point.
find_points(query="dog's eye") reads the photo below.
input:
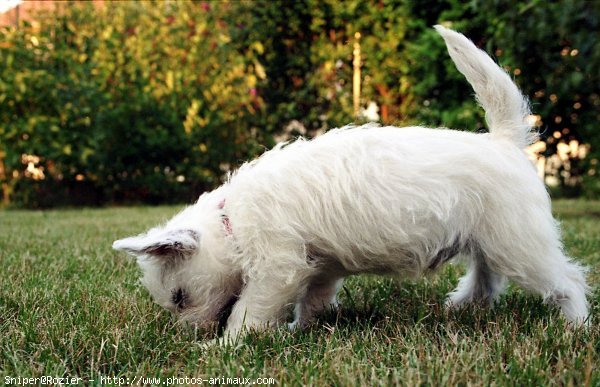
(179, 298)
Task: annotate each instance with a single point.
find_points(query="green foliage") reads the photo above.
(146, 103)
(140, 102)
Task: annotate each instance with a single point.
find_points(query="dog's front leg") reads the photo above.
(321, 295)
(262, 305)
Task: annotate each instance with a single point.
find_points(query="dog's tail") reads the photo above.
(506, 109)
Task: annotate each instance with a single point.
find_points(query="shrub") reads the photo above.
(141, 102)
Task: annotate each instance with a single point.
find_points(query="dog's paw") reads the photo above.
(221, 342)
(294, 325)
(210, 343)
(455, 303)
(452, 303)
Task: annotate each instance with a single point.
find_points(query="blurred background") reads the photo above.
(154, 102)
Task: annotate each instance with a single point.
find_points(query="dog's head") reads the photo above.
(186, 263)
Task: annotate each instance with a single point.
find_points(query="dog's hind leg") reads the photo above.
(321, 294)
(558, 280)
(530, 254)
(481, 285)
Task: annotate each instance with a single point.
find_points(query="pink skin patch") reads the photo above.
(225, 219)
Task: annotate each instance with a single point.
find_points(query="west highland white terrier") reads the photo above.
(288, 227)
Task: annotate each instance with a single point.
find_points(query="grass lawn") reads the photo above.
(70, 306)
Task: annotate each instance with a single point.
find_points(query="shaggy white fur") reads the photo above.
(288, 227)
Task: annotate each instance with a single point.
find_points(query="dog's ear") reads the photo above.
(161, 244)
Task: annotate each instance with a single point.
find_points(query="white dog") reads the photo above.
(287, 228)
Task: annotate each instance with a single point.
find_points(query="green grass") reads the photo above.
(70, 306)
